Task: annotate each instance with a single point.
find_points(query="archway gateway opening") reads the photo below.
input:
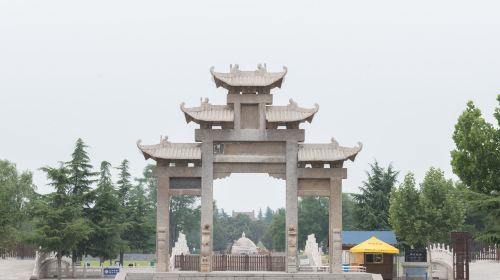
(249, 141)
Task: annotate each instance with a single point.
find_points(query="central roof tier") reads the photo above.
(308, 153)
(217, 114)
(258, 81)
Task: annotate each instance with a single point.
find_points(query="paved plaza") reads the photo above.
(13, 269)
(484, 271)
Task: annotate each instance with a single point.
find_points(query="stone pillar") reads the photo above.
(207, 177)
(262, 116)
(237, 115)
(162, 224)
(335, 225)
(291, 206)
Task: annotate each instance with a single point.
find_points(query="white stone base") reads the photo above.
(251, 275)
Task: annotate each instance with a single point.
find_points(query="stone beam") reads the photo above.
(314, 187)
(276, 168)
(322, 173)
(249, 158)
(250, 98)
(246, 135)
(179, 171)
(178, 192)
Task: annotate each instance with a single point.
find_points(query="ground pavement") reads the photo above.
(484, 271)
(13, 269)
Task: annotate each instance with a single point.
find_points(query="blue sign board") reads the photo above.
(111, 271)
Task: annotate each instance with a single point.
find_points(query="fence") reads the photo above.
(233, 262)
(20, 251)
(480, 251)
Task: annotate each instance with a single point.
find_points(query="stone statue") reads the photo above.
(180, 248)
(312, 251)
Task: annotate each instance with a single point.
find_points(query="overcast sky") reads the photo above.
(394, 75)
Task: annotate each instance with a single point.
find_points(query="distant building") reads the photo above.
(251, 214)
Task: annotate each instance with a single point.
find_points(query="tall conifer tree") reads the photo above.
(60, 226)
(372, 211)
(80, 180)
(106, 238)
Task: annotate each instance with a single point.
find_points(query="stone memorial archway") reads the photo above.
(249, 135)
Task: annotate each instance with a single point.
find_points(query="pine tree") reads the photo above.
(81, 177)
(139, 230)
(372, 205)
(60, 226)
(124, 186)
(107, 228)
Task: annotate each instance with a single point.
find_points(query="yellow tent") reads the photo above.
(374, 245)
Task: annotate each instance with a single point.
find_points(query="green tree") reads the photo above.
(81, 176)
(124, 186)
(139, 230)
(476, 161)
(184, 216)
(60, 226)
(313, 218)
(427, 215)
(277, 230)
(442, 207)
(107, 228)
(405, 213)
(80, 179)
(17, 193)
(348, 209)
(372, 205)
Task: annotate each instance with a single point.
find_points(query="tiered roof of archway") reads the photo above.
(258, 82)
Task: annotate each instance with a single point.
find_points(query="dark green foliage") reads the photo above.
(80, 180)
(348, 209)
(429, 214)
(277, 230)
(139, 229)
(107, 228)
(476, 161)
(17, 194)
(372, 205)
(60, 226)
(81, 176)
(313, 218)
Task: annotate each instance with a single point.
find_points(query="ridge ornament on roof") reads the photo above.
(257, 81)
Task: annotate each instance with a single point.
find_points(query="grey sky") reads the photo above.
(392, 74)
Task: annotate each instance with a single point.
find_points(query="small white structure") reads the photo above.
(244, 246)
(312, 251)
(441, 258)
(180, 248)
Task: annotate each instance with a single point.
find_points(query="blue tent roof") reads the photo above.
(356, 237)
